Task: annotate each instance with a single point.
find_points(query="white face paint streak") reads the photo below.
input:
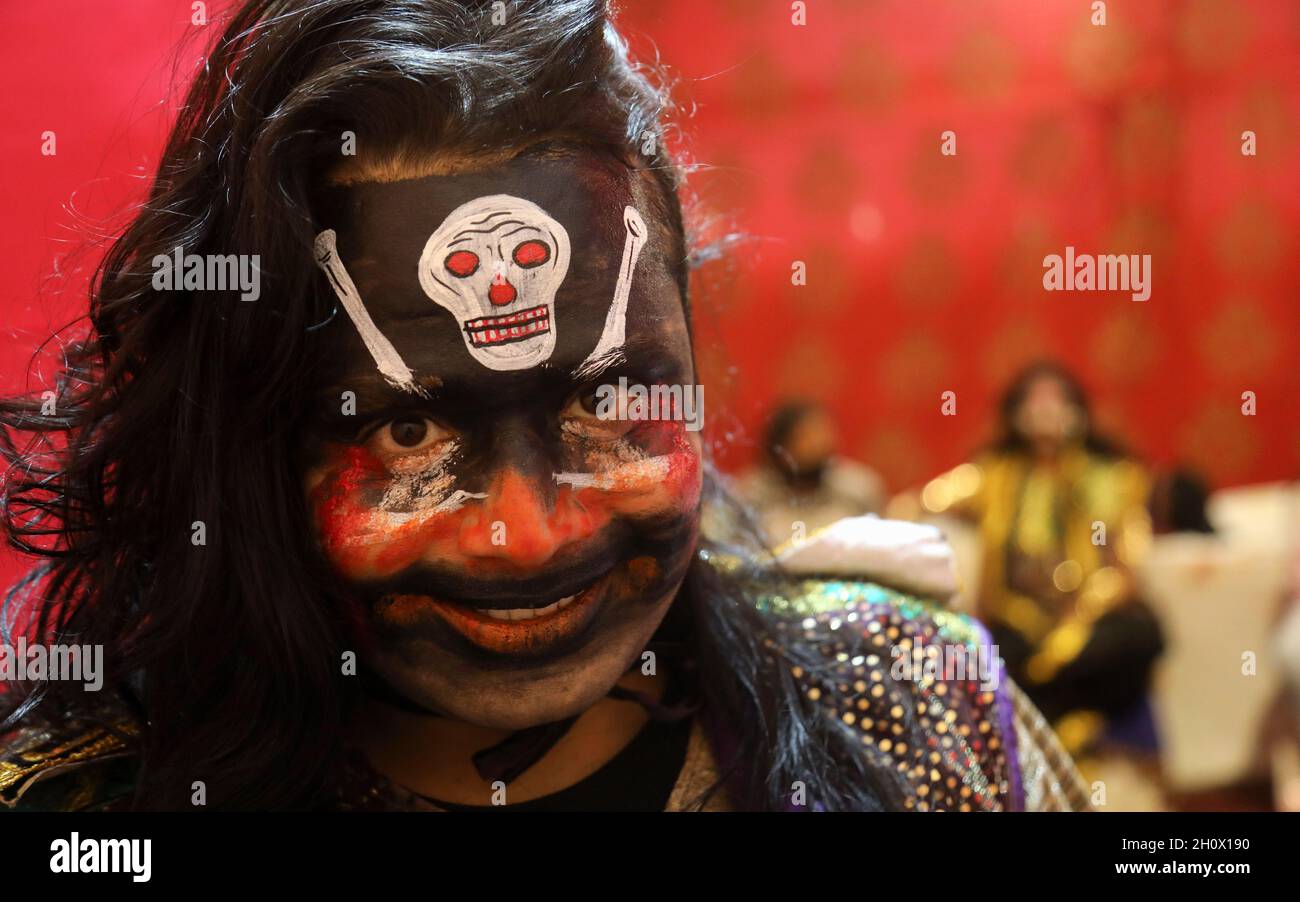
(382, 523)
(612, 462)
(654, 469)
(420, 489)
(615, 333)
(390, 363)
(496, 263)
(420, 481)
(386, 520)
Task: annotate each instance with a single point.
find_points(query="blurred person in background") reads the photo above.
(1177, 504)
(1183, 539)
(802, 480)
(1062, 518)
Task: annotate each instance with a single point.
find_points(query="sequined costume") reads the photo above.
(957, 741)
(1059, 542)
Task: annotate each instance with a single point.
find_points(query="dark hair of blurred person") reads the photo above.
(1044, 410)
(1178, 500)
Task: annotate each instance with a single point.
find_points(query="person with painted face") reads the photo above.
(1062, 520)
(375, 541)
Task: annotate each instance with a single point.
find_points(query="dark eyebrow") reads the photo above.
(456, 390)
(642, 358)
(373, 390)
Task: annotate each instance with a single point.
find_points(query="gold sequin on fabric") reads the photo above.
(939, 733)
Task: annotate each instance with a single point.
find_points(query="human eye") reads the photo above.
(405, 435)
(592, 413)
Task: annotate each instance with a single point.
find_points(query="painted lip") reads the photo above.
(497, 330)
(564, 619)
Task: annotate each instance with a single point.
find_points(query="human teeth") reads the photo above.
(530, 613)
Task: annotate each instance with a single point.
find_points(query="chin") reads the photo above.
(515, 695)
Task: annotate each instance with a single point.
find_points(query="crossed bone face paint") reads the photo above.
(509, 553)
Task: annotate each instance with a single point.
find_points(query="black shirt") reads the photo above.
(639, 778)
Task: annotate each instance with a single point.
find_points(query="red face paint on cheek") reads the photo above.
(654, 471)
(361, 539)
(366, 541)
(352, 471)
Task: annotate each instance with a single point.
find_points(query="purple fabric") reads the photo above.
(1007, 727)
(1135, 729)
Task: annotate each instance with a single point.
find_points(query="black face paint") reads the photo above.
(510, 553)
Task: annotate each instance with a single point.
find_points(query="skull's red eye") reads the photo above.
(532, 253)
(461, 263)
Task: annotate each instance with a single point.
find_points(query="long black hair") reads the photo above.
(185, 408)
(1009, 437)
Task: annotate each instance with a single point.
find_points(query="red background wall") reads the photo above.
(821, 143)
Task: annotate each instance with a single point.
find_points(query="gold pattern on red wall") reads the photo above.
(1220, 440)
(1017, 343)
(869, 79)
(1021, 267)
(1142, 230)
(902, 453)
(1100, 60)
(1212, 34)
(1265, 111)
(726, 183)
(1045, 154)
(1251, 240)
(1124, 348)
(826, 180)
(915, 369)
(935, 178)
(984, 66)
(1239, 341)
(830, 283)
(808, 368)
(760, 88)
(927, 273)
(1147, 138)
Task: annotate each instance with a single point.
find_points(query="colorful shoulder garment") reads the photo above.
(961, 741)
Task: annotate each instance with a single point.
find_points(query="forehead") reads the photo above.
(1047, 387)
(383, 230)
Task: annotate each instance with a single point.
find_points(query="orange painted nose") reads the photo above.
(518, 525)
(502, 293)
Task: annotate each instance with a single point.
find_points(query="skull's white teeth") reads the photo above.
(481, 336)
(529, 613)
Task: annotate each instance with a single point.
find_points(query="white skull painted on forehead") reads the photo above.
(496, 263)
